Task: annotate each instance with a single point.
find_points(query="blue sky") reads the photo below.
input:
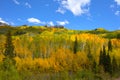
(73, 14)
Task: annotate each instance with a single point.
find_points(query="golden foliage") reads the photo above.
(55, 52)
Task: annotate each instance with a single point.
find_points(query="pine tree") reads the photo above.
(101, 58)
(105, 61)
(75, 46)
(104, 58)
(114, 65)
(108, 67)
(8, 66)
(94, 66)
(9, 47)
(109, 45)
(89, 55)
(104, 51)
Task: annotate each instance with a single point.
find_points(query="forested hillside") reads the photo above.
(57, 53)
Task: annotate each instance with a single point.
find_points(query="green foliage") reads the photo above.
(94, 66)
(4, 29)
(118, 36)
(46, 53)
(114, 66)
(109, 45)
(75, 48)
(105, 61)
(108, 67)
(8, 70)
(19, 32)
(9, 47)
(98, 31)
(110, 35)
(101, 58)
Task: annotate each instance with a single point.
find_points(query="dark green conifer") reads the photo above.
(75, 46)
(94, 66)
(9, 47)
(101, 58)
(109, 45)
(114, 65)
(105, 61)
(104, 57)
(108, 66)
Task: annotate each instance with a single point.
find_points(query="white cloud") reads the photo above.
(51, 23)
(28, 5)
(77, 7)
(60, 10)
(34, 20)
(62, 22)
(118, 2)
(16, 2)
(24, 4)
(2, 21)
(117, 13)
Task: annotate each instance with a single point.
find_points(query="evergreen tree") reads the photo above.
(109, 45)
(108, 67)
(105, 61)
(94, 66)
(75, 46)
(8, 69)
(114, 65)
(104, 51)
(104, 58)
(9, 47)
(89, 55)
(101, 58)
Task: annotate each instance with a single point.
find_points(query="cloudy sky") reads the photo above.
(73, 14)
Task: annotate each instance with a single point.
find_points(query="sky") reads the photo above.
(73, 14)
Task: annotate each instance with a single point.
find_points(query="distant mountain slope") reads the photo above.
(20, 30)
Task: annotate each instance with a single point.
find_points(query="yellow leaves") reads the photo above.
(18, 63)
(17, 38)
(61, 60)
(116, 54)
(73, 38)
(43, 50)
(30, 39)
(81, 57)
(42, 63)
(23, 52)
(116, 43)
(80, 61)
(54, 52)
(20, 50)
(46, 33)
(54, 64)
(1, 57)
(24, 63)
(85, 36)
(23, 27)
